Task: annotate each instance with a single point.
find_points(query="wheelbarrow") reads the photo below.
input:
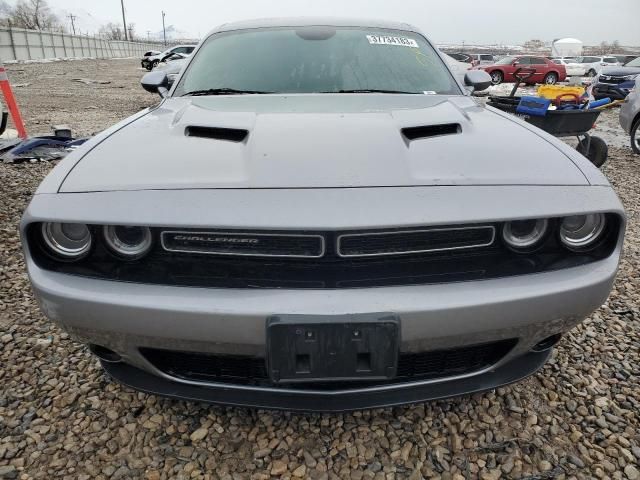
(562, 123)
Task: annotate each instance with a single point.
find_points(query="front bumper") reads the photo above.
(318, 401)
(613, 91)
(127, 317)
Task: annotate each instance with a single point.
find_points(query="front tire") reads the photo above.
(496, 77)
(635, 137)
(591, 73)
(154, 64)
(550, 78)
(598, 150)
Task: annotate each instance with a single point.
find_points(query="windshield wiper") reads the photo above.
(222, 91)
(372, 90)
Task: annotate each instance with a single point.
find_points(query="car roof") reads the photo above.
(312, 21)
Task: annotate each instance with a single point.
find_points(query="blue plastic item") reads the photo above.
(599, 103)
(534, 106)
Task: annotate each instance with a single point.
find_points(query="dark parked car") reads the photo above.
(545, 70)
(616, 82)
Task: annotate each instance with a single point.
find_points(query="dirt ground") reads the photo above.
(61, 417)
(50, 94)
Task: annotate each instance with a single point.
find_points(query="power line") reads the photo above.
(73, 25)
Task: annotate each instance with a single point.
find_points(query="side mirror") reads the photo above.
(477, 79)
(156, 82)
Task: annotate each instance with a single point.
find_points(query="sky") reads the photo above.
(444, 21)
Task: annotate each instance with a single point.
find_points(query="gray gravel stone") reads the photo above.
(61, 417)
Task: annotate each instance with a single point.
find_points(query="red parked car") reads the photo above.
(545, 70)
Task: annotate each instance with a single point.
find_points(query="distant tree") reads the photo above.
(33, 15)
(112, 31)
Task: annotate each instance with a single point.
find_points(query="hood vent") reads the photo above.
(426, 131)
(217, 133)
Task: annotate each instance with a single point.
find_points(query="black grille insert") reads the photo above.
(244, 370)
(244, 244)
(414, 241)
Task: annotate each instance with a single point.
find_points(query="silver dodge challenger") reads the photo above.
(319, 216)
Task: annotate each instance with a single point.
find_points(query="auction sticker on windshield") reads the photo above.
(385, 40)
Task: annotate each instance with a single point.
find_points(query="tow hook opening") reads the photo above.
(547, 343)
(105, 354)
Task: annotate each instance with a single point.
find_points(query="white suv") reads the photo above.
(593, 64)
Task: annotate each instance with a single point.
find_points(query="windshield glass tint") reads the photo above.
(317, 59)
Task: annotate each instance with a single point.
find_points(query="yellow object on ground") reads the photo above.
(552, 91)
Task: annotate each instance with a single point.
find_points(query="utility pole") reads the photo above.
(164, 31)
(124, 21)
(73, 25)
(148, 35)
(130, 33)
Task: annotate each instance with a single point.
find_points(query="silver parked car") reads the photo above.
(630, 116)
(318, 216)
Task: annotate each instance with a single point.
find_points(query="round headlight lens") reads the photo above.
(130, 242)
(521, 234)
(581, 231)
(67, 240)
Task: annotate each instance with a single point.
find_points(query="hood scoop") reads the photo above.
(427, 131)
(217, 133)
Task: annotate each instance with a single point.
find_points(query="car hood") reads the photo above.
(321, 141)
(620, 71)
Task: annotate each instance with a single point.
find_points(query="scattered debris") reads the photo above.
(50, 147)
(90, 81)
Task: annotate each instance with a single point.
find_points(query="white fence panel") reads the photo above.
(20, 44)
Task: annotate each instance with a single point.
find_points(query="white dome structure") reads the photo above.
(566, 47)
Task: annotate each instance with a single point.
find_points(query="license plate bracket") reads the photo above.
(326, 348)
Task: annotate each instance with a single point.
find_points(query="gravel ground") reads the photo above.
(60, 417)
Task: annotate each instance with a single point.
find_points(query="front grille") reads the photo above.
(611, 79)
(414, 241)
(252, 371)
(324, 259)
(244, 244)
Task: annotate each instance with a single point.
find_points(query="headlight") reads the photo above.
(524, 234)
(630, 77)
(129, 242)
(581, 231)
(67, 240)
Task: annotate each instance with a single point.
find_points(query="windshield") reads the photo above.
(506, 61)
(633, 63)
(317, 60)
